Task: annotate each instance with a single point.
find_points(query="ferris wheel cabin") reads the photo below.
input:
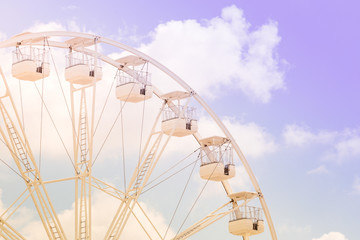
(217, 162)
(30, 63)
(178, 120)
(246, 220)
(133, 85)
(80, 69)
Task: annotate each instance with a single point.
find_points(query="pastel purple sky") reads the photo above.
(311, 121)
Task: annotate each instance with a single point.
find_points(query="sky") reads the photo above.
(282, 76)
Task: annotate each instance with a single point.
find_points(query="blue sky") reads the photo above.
(295, 88)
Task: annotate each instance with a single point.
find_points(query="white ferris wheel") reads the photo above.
(102, 115)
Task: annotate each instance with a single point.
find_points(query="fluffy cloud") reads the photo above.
(70, 7)
(356, 185)
(103, 208)
(50, 26)
(346, 148)
(248, 61)
(300, 135)
(332, 236)
(222, 51)
(341, 145)
(319, 170)
(253, 139)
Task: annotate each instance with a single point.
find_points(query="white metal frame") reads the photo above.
(129, 198)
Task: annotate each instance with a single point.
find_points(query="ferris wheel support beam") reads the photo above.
(201, 224)
(207, 221)
(83, 140)
(17, 143)
(108, 189)
(8, 232)
(82, 167)
(83, 156)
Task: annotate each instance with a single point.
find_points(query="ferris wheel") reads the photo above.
(135, 120)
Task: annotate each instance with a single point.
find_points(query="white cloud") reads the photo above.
(319, 170)
(43, 27)
(222, 51)
(341, 145)
(344, 149)
(103, 209)
(332, 236)
(356, 185)
(70, 7)
(128, 34)
(300, 135)
(70, 25)
(254, 140)
(241, 181)
(231, 29)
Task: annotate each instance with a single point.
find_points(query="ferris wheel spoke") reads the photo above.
(148, 218)
(54, 125)
(16, 140)
(142, 225)
(82, 143)
(15, 205)
(107, 188)
(8, 232)
(150, 155)
(206, 221)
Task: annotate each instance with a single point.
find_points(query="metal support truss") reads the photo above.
(150, 155)
(206, 221)
(8, 232)
(16, 141)
(83, 138)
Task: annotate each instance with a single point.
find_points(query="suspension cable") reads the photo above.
(58, 78)
(199, 195)
(170, 176)
(123, 148)
(178, 204)
(42, 107)
(142, 128)
(107, 98)
(57, 130)
(41, 123)
(112, 126)
(174, 167)
(102, 112)
(13, 155)
(22, 107)
(62, 92)
(168, 170)
(12, 169)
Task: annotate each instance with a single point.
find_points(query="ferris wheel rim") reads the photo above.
(18, 39)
